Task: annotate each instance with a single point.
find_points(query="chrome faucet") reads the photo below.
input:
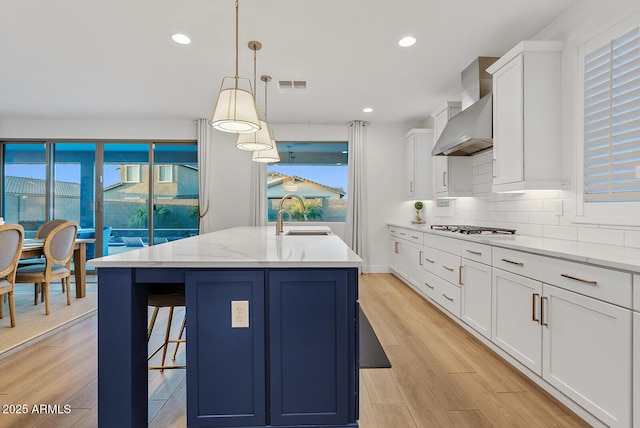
(281, 210)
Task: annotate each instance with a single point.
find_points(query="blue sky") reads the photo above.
(334, 176)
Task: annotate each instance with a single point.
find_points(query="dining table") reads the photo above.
(33, 247)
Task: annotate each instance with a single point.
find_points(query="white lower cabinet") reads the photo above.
(399, 257)
(587, 353)
(578, 344)
(415, 264)
(516, 320)
(571, 324)
(475, 300)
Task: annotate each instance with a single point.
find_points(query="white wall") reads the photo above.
(385, 184)
(98, 129)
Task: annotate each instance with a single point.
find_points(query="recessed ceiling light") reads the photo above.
(407, 41)
(367, 109)
(181, 39)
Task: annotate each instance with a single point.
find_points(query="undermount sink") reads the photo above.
(309, 233)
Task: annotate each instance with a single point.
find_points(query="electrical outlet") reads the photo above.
(559, 208)
(239, 314)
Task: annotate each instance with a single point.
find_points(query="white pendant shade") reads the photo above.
(235, 112)
(266, 156)
(260, 140)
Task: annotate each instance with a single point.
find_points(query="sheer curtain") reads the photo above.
(356, 225)
(259, 193)
(204, 174)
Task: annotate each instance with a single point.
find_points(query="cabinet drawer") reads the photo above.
(445, 265)
(450, 245)
(448, 296)
(477, 252)
(600, 283)
(408, 234)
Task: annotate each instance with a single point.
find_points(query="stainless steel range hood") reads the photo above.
(471, 130)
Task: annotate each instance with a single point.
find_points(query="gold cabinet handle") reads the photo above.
(420, 259)
(447, 297)
(477, 253)
(542, 321)
(444, 178)
(430, 286)
(402, 233)
(429, 260)
(448, 268)
(564, 275)
(395, 247)
(414, 237)
(460, 275)
(534, 298)
(512, 262)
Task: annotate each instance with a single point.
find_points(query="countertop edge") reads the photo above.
(501, 242)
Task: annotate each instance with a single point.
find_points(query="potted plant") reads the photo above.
(418, 206)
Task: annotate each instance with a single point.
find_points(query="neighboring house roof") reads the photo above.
(36, 187)
(276, 179)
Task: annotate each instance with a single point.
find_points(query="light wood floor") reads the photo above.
(441, 375)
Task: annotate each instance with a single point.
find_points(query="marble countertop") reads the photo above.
(241, 247)
(612, 256)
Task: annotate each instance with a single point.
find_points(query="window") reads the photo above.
(610, 67)
(165, 173)
(317, 171)
(131, 174)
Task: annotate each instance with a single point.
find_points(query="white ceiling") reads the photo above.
(91, 59)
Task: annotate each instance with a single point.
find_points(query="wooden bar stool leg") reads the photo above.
(152, 322)
(184, 321)
(166, 335)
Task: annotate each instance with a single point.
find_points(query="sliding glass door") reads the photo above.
(175, 191)
(108, 188)
(25, 195)
(125, 195)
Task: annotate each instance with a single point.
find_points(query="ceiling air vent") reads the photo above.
(292, 86)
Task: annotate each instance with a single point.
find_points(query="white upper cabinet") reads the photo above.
(418, 164)
(452, 174)
(527, 135)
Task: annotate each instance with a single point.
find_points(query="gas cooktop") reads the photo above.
(466, 229)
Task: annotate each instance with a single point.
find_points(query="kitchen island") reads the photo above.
(291, 360)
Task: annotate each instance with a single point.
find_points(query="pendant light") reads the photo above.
(270, 155)
(260, 140)
(235, 109)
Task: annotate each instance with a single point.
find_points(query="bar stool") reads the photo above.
(166, 296)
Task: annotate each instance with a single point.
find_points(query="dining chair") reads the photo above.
(42, 232)
(166, 296)
(58, 251)
(11, 236)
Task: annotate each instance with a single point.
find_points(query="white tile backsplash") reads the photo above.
(530, 213)
(560, 232)
(601, 235)
(632, 238)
